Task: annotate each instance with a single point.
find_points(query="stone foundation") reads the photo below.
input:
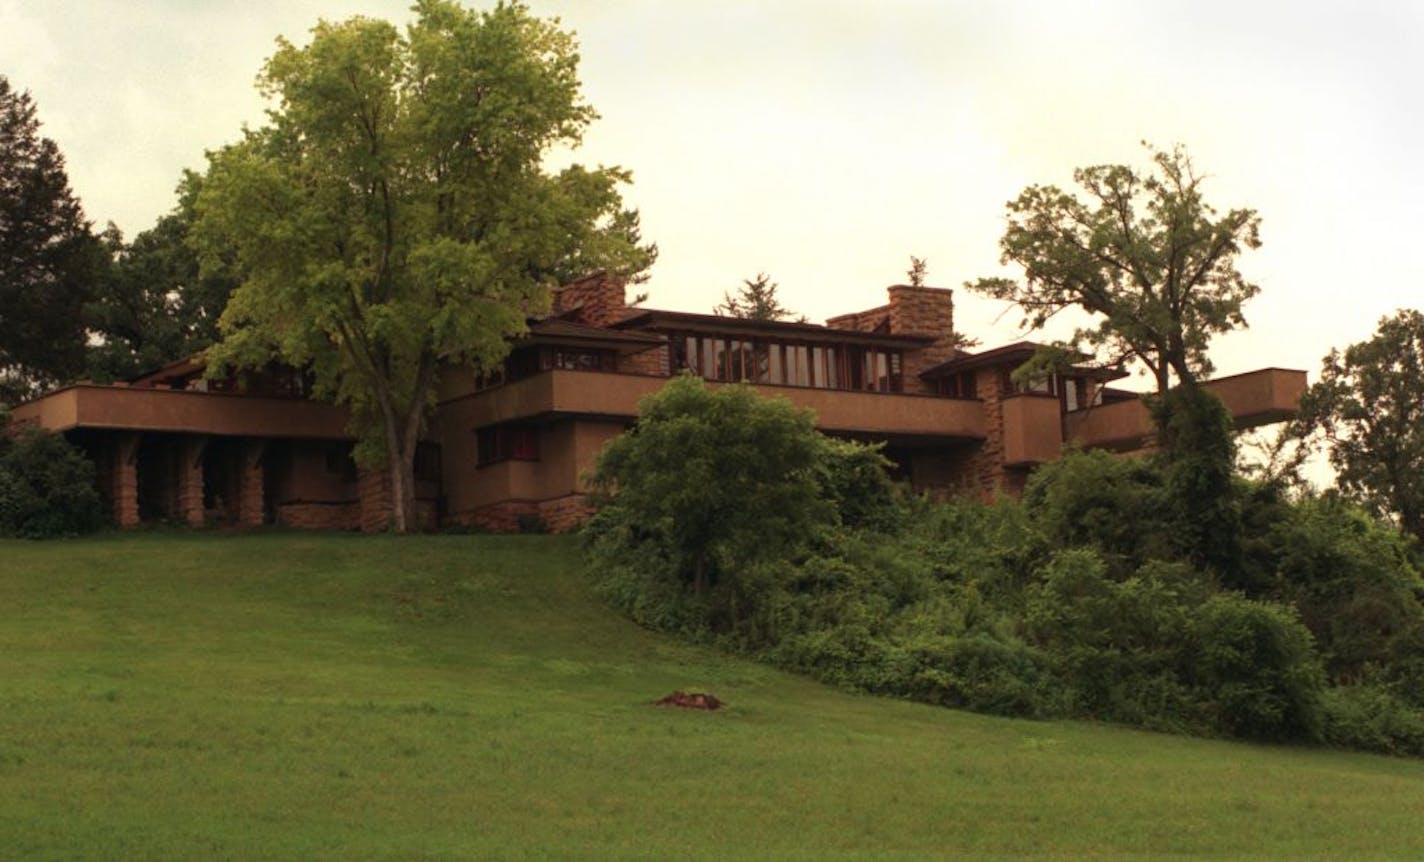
(517, 516)
(320, 516)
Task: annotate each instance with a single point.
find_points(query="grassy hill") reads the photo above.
(337, 696)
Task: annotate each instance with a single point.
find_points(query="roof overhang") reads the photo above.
(712, 324)
(1014, 355)
(565, 333)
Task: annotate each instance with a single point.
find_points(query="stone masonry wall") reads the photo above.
(189, 479)
(373, 491)
(600, 299)
(374, 506)
(320, 516)
(861, 321)
(986, 468)
(249, 484)
(922, 311)
(652, 362)
(557, 516)
(123, 479)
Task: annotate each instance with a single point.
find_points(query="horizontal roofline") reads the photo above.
(1020, 351)
(659, 319)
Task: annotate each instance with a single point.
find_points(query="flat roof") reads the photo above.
(715, 323)
(1018, 353)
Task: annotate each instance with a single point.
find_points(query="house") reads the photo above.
(507, 449)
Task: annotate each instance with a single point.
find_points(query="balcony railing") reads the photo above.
(602, 394)
(183, 411)
(1254, 398)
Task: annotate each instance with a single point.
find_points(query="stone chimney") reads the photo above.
(923, 311)
(594, 300)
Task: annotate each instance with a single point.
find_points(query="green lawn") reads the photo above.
(285, 695)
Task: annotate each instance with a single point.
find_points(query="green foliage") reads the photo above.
(718, 481)
(48, 256)
(1369, 406)
(853, 477)
(1099, 594)
(154, 305)
(394, 218)
(1097, 500)
(1371, 718)
(47, 487)
(1145, 256)
(1198, 465)
(755, 300)
(1355, 584)
(1256, 662)
(916, 272)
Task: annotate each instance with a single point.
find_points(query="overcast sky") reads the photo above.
(824, 142)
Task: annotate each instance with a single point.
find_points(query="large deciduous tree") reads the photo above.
(154, 305)
(48, 256)
(1143, 254)
(394, 219)
(1369, 406)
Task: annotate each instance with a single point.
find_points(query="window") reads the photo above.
(579, 360)
(506, 443)
(960, 385)
(427, 462)
(837, 366)
(339, 461)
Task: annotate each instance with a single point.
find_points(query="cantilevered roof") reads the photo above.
(557, 331)
(717, 324)
(1014, 354)
(185, 367)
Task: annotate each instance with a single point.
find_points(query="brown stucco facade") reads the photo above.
(510, 450)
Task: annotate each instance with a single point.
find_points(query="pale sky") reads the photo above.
(825, 142)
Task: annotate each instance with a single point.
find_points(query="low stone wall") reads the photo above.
(320, 516)
(516, 516)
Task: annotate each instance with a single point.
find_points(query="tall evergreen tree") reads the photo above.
(48, 256)
(755, 300)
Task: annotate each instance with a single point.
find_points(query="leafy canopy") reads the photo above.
(722, 478)
(154, 305)
(1369, 407)
(1142, 253)
(394, 218)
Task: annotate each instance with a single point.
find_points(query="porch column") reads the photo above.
(190, 480)
(250, 481)
(123, 487)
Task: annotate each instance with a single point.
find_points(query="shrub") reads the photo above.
(720, 479)
(1372, 718)
(1255, 662)
(1353, 582)
(1096, 500)
(982, 673)
(47, 488)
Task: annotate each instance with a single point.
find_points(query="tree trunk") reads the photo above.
(400, 478)
(699, 576)
(404, 516)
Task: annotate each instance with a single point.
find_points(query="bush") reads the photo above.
(719, 479)
(1372, 718)
(1354, 584)
(1255, 662)
(47, 488)
(1097, 500)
